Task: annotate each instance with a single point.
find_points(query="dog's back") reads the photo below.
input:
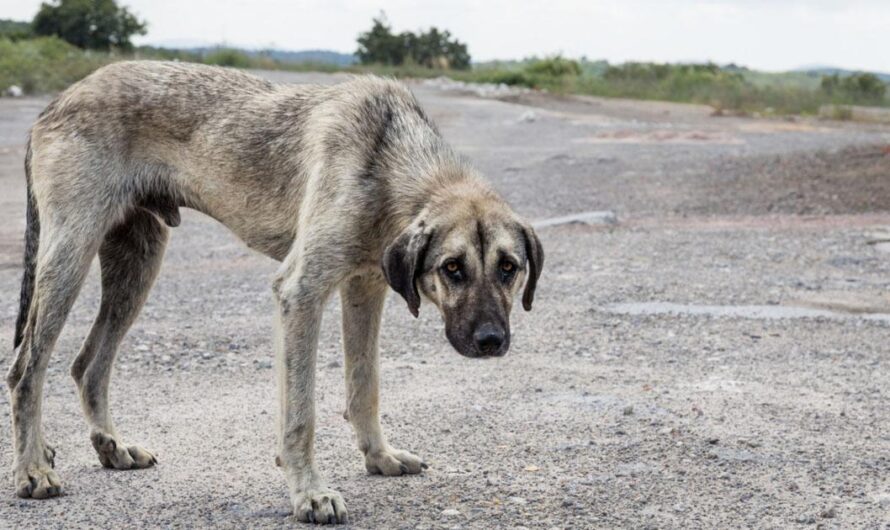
(196, 135)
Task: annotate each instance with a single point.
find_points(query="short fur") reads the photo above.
(350, 186)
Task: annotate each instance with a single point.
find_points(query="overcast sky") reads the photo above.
(764, 34)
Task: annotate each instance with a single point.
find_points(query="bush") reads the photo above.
(555, 67)
(45, 64)
(856, 88)
(228, 57)
(15, 30)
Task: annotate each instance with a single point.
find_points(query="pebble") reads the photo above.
(517, 500)
(528, 116)
(451, 512)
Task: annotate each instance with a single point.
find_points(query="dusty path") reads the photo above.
(612, 410)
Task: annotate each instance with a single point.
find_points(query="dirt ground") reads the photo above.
(718, 358)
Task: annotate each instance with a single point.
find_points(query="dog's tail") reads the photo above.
(32, 238)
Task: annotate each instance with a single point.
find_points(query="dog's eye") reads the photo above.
(452, 269)
(507, 269)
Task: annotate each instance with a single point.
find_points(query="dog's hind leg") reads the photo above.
(67, 245)
(130, 258)
(362, 299)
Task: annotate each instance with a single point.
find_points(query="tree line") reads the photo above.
(433, 48)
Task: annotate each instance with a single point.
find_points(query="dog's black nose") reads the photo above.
(489, 338)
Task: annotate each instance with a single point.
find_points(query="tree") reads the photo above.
(89, 24)
(432, 49)
(380, 46)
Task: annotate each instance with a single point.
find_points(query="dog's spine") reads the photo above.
(32, 238)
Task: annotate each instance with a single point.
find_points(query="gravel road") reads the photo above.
(719, 357)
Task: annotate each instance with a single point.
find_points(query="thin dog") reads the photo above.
(351, 187)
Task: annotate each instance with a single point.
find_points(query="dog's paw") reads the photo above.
(37, 482)
(393, 462)
(114, 455)
(320, 506)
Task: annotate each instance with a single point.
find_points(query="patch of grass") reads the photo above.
(725, 89)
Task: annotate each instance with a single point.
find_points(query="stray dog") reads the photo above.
(350, 187)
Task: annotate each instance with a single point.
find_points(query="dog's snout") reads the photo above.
(489, 338)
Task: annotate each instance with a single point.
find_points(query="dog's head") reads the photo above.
(469, 257)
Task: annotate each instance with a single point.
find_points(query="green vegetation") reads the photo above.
(89, 24)
(228, 57)
(866, 88)
(432, 49)
(15, 30)
(730, 88)
(46, 64)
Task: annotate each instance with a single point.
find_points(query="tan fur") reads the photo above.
(349, 186)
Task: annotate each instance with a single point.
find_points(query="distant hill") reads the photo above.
(311, 56)
(284, 56)
(819, 71)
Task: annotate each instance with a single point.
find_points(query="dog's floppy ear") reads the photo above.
(534, 252)
(403, 261)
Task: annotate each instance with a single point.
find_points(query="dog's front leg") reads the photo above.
(362, 299)
(301, 297)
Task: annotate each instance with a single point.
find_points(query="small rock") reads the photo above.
(528, 116)
(713, 440)
(14, 91)
(882, 499)
(451, 512)
(828, 513)
(334, 364)
(628, 410)
(263, 364)
(517, 500)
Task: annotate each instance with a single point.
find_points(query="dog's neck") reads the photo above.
(426, 177)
